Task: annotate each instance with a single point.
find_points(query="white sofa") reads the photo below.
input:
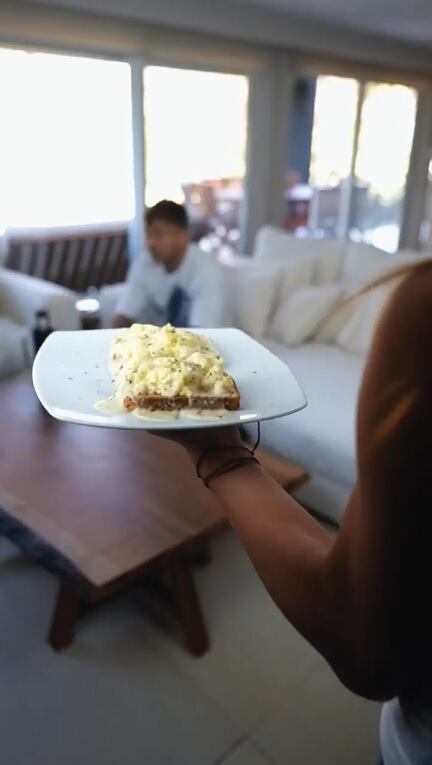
(329, 364)
(281, 295)
(20, 297)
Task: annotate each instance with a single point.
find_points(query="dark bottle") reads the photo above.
(41, 329)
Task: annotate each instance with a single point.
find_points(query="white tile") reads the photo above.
(255, 655)
(246, 754)
(112, 701)
(27, 597)
(321, 722)
(127, 692)
(108, 698)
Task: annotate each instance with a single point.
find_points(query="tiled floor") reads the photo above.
(126, 693)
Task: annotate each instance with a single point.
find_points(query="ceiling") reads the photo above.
(401, 29)
(409, 20)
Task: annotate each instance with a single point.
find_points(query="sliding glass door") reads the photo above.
(357, 142)
(195, 146)
(333, 134)
(381, 164)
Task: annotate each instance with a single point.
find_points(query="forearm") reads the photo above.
(286, 545)
(292, 555)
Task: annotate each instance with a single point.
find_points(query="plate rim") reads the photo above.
(160, 425)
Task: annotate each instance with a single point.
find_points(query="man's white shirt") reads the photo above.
(149, 288)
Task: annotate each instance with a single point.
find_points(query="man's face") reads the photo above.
(167, 243)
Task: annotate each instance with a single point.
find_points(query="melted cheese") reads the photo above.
(163, 361)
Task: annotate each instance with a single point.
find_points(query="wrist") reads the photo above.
(219, 447)
(216, 462)
(226, 475)
(209, 462)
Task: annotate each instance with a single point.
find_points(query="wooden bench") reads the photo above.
(73, 260)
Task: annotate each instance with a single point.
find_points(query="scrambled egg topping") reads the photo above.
(148, 360)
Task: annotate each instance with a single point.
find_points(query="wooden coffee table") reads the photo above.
(103, 508)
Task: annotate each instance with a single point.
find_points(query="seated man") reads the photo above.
(174, 281)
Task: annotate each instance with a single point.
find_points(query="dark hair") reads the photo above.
(168, 211)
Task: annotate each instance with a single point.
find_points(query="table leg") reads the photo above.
(64, 618)
(188, 607)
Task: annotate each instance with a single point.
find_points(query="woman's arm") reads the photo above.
(353, 598)
(286, 545)
(290, 552)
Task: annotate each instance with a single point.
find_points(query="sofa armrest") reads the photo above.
(21, 296)
(109, 297)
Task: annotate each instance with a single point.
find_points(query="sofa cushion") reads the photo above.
(364, 263)
(291, 276)
(252, 291)
(326, 256)
(330, 257)
(356, 336)
(322, 436)
(14, 347)
(300, 314)
(333, 324)
(274, 244)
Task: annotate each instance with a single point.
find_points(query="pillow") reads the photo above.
(329, 329)
(299, 316)
(273, 245)
(357, 334)
(330, 257)
(293, 274)
(252, 293)
(364, 263)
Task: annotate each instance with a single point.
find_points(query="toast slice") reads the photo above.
(172, 403)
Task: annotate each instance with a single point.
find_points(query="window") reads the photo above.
(333, 135)
(383, 154)
(65, 140)
(348, 179)
(335, 111)
(195, 137)
(426, 225)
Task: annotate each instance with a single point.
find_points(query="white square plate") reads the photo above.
(70, 374)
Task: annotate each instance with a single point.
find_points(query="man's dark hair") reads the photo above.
(168, 211)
